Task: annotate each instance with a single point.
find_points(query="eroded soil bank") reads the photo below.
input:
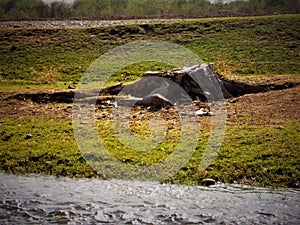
(278, 100)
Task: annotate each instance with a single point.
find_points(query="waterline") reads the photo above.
(35, 199)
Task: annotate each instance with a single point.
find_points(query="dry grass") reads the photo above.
(225, 69)
(50, 76)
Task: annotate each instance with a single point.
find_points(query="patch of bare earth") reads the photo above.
(273, 107)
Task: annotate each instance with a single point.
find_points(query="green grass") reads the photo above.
(51, 150)
(250, 154)
(254, 155)
(254, 45)
(52, 58)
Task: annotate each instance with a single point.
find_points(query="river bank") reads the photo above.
(261, 145)
(37, 136)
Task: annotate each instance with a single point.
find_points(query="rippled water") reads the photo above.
(37, 199)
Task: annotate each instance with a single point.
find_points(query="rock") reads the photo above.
(210, 113)
(202, 112)
(28, 136)
(156, 100)
(208, 182)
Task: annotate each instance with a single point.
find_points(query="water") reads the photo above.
(50, 200)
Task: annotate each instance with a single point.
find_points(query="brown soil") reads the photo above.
(273, 107)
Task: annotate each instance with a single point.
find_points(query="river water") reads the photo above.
(49, 200)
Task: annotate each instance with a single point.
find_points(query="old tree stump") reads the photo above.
(160, 89)
(199, 82)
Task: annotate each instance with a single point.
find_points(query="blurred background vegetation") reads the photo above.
(130, 9)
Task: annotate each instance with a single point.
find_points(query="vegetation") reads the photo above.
(52, 58)
(250, 154)
(92, 9)
(52, 150)
(249, 45)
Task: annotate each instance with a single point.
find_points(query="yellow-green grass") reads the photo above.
(250, 154)
(251, 45)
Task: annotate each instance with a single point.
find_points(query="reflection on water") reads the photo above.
(37, 199)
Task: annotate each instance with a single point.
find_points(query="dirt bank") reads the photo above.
(271, 107)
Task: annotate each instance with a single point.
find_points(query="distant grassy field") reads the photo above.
(246, 46)
(261, 145)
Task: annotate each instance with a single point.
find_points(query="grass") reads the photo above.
(257, 45)
(14, 85)
(54, 58)
(51, 148)
(259, 155)
(250, 154)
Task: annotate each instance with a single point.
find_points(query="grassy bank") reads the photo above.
(249, 155)
(259, 148)
(249, 46)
